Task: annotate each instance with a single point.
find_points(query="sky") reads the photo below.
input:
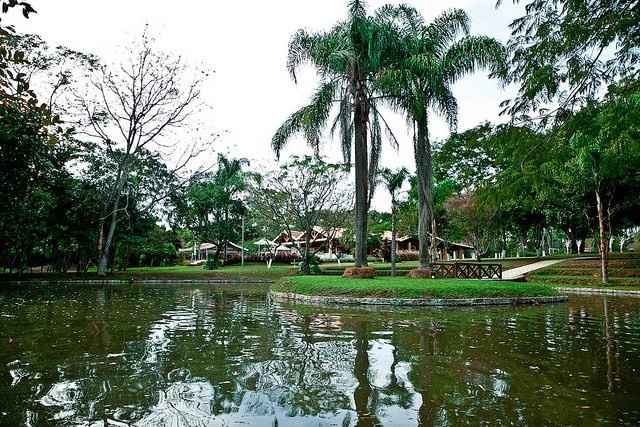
(245, 43)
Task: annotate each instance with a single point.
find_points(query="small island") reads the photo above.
(409, 291)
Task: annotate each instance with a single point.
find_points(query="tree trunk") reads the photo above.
(393, 238)
(422, 152)
(360, 118)
(306, 268)
(434, 239)
(106, 247)
(604, 247)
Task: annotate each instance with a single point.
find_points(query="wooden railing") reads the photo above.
(467, 270)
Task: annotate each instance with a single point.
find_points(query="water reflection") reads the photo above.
(206, 356)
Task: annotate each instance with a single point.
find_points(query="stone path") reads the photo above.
(517, 273)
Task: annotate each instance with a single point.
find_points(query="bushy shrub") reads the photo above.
(314, 265)
(212, 263)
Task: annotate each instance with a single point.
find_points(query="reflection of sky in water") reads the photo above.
(63, 396)
(159, 339)
(172, 356)
(182, 404)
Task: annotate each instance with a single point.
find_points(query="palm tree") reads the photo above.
(347, 58)
(393, 181)
(230, 180)
(434, 56)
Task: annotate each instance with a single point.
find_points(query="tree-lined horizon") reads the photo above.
(92, 168)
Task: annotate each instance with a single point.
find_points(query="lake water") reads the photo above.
(169, 355)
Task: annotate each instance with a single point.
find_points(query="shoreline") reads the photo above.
(425, 302)
(238, 280)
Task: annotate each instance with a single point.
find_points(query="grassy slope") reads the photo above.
(624, 272)
(403, 287)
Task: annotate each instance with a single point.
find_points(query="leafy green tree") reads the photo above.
(348, 58)
(605, 139)
(33, 155)
(476, 221)
(9, 55)
(303, 195)
(564, 51)
(433, 57)
(393, 182)
(213, 205)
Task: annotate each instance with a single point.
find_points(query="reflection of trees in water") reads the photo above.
(308, 376)
(362, 395)
(125, 357)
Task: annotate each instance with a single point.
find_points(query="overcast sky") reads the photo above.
(245, 43)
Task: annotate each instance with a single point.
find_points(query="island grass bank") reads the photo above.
(407, 288)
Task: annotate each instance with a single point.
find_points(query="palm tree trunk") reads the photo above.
(393, 238)
(422, 152)
(362, 393)
(361, 174)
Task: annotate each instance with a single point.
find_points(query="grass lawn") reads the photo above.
(253, 269)
(409, 265)
(187, 272)
(404, 287)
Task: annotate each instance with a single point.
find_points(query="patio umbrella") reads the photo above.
(262, 242)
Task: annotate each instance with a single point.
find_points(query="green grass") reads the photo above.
(624, 272)
(404, 287)
(185, 272)
(248, 269)
(408, 265)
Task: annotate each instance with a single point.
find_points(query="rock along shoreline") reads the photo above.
(428, 302)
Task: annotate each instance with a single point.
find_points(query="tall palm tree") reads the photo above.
(393, 181)
(434, 56)
(348, 57)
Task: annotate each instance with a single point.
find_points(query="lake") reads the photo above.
(206, 355)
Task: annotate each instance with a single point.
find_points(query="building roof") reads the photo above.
(206, 245)
(386, 235)
(321, 235)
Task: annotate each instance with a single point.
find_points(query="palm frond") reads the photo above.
(357, 8)
(390, 136)
(404, 17)
(444, 103)
(309, 120)
(375, 152)
(472, 53)
(299, 51)
(393, 180)
(445, 29)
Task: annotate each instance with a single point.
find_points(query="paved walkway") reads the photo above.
(517, 273)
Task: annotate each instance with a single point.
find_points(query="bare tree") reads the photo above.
(135, 108)
(303, 195)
